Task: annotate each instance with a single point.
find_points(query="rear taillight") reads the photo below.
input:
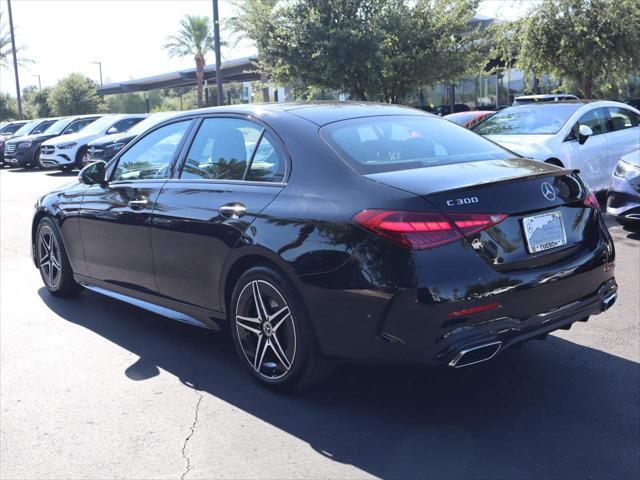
(421, 230)
(591, 201)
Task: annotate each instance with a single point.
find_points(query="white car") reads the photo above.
(66, 151)
(583, 135)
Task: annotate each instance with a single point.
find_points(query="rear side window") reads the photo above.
(233, 149)
(268, 164)
(621, 119)
(151, 157)
(221, 149)
(379, 144)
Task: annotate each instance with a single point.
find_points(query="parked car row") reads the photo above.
(59, 142)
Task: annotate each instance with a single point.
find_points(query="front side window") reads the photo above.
(78, 125)
(382, 144)
(126, 124)
(151, 157)
(221, 149)
(11, 129)
(595, 119)
(621, 119)
(541, 119)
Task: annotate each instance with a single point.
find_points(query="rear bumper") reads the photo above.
(507, 332)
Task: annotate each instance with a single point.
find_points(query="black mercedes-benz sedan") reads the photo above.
(332, 231)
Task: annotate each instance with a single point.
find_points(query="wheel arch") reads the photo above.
(242, 261)
(555, 161)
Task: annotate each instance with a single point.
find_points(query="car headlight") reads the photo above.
(24, 145)
(626, 170)
(66, 146)
(116, 147)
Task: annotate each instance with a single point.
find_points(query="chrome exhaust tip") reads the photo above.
(473, 355)
(609, 300)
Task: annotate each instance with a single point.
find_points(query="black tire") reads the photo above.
(296, 342)
(59, 281)
(79, 155)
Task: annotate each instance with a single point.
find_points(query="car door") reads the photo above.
(232, 170)
(590, 156)
(115, 217)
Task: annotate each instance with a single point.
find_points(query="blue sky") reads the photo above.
(64, 36)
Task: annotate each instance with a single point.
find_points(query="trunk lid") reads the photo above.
(518, 188)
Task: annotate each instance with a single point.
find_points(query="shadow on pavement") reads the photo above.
(551, 409)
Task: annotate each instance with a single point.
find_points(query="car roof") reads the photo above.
(320, 113)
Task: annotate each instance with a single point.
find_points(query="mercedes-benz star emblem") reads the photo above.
(548, 191)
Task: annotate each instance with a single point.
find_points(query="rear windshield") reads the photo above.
(528, 119)
(383, 144)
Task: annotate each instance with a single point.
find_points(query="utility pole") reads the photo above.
(39, 82)
(216, 46)
(100, 68)
(15, 61)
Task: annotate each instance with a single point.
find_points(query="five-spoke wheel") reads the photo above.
(49, 257)
(272, 331)
(266, 329)
(52, 260)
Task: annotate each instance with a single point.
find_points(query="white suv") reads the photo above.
(588, 136)
(66, 151)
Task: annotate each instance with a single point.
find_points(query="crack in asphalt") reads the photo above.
(186, 440)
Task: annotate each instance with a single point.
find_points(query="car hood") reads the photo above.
(633, 158)
(40, 137)
(78, 137)
(111, 139)
(533, 146)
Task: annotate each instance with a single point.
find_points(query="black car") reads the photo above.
(105, 148)
(25, 151)
(324, 232)
(6, 133)
(34, 127)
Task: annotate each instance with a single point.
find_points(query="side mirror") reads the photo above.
(584, 132)
(93, 174)
(112, 130)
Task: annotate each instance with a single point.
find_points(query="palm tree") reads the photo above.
(193, 38)
(5, 47)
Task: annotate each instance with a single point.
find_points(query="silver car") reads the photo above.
(623, 199)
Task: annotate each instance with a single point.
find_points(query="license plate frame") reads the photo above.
(552, 229)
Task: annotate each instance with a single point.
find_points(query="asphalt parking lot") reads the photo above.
(94, 388)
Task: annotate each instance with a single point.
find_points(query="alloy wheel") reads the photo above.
(49, 259)
(266, 329)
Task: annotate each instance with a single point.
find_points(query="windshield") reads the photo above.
(11, 128)
(528, 119)
(59, 126)
(149, 122)
(382, 144)
(100, 125)
(26, 128)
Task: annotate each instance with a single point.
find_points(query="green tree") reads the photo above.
(371, 49)
(126, 103)
(36, 102)
(75, 95)
(193, 39)
(591, 42)
(8, 107)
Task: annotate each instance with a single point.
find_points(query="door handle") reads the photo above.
(138, 203)
(233, 210)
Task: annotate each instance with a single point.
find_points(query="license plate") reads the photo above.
(544, 232)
